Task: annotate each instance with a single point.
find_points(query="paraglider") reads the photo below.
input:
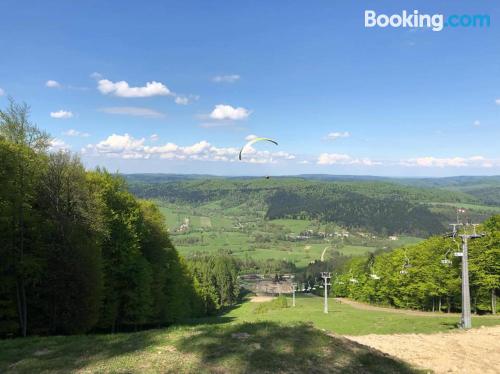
(253, 141)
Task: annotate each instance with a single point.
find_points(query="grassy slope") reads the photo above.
(278, 341)
(269, 348)
(346, 320)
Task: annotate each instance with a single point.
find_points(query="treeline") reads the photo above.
(427, 276)
(79, 252)
(215, 280)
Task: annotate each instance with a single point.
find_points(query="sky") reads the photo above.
(180, 86)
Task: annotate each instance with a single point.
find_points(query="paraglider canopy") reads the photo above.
(253, 141)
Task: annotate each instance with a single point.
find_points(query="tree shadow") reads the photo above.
(451, 325)
(269, 347)
(70, 353)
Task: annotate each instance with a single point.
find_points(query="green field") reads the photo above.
(347, 320)
(476, 207)
(241, 341)
(263, 347)
(245, 233)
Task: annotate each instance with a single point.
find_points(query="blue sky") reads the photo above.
(338, 97)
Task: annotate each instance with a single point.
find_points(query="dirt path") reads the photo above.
(364, 306)
(260, 299)
(323, 254)
(472, 351)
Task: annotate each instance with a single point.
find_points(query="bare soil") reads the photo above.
(472, 351)
(261, 299)
(363, 306)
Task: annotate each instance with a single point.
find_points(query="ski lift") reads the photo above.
(445, 260)
(372, 272)
(405, 265)
(459, 252)
(352, 279)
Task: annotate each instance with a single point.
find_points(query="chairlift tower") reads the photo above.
(466, 319)
(326, 278)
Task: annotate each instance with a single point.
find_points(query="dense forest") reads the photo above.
(353, 210)
(426, 276)
(80, 253)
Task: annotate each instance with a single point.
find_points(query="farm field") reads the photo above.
(245, 233)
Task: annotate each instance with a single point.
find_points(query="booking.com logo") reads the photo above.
(435, 22)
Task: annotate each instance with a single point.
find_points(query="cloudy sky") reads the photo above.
(178, 87)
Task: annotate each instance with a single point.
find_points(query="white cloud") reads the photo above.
(133, 111)
(52, 84)
(227, 112)
(185, 99)
(476, 123)
(231, 78)
(58, 145)
(124, 146)
(2, 92)
(73, 132)
(127, 147)
(497, 101)
(343, 159)
(181, 100)
(437, 162)
(61, 114)
(154, 137)
(95, 75)
(122, 89)
(337, 135)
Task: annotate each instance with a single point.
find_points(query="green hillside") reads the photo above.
(378, 205)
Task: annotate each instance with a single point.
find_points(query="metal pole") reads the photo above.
(466, 314)
(326, 276)
(326, 295)
(293, 298)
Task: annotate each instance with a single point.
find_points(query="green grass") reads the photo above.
(277, 339)
(262, 347)
(295, 226)
(214, 228)
(346, 320)
(477, 207)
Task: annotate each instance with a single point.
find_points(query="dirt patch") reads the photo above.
(362, 306)
(261, 299)
(472, 351)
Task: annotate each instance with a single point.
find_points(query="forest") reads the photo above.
(425, 276)
(380, 205)
(80, 253)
